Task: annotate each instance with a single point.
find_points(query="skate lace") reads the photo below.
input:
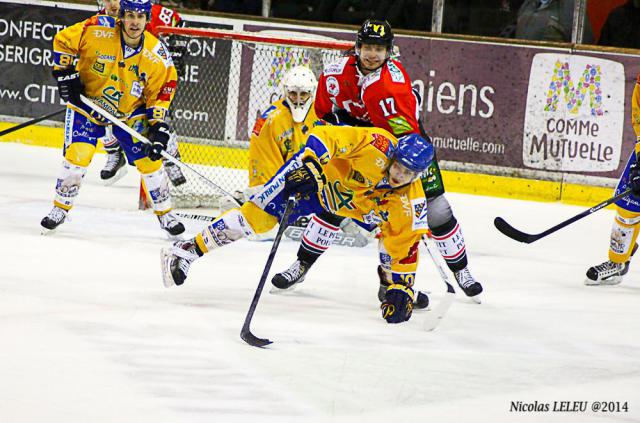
(57, 214)
(608, 268)
(464, 278)
(112, 161)
(296, 271)
(186, 253)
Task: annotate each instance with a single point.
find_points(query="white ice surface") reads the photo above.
(89, 334)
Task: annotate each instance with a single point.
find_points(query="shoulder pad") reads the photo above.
(337, 67)
(162, 52)
(395, 71)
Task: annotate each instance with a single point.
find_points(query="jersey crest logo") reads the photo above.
(395, 72)
(333, 88)
(136, 89)
(419, 206)
(107, 21)
(382, 143)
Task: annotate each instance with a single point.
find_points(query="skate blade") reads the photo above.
(119, 175)
(45, 231)
(614, 280)
(476, 299)
(278, 291)
(165, 258)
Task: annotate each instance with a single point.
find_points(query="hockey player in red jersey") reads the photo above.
(369, 88)
(115, 167)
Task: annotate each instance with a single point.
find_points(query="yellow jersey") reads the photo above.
(355, 162)
(275, 139)
(118, 78)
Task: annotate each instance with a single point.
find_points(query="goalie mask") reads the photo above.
(412, 157)
(299, 89)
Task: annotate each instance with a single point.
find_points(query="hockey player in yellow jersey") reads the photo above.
(128, 72)
(626, 225)
(363, 173)
(282, 129)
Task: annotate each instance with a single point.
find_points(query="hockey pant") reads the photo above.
(80, 139)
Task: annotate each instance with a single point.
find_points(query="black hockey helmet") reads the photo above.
(375, 32)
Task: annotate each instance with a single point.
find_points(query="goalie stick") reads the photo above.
(245, 333)
(145, 140)
(31, 122)
(520, 236)
(435, 316)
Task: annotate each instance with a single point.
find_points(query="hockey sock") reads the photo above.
(623, 235)
(451, 244)
(157, 185)
(229, 227)
(68, 184)
(111, 144)
(318, 236)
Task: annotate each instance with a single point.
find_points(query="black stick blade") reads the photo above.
(253, 340)
(512, 232)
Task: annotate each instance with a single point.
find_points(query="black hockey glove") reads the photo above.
(398, 304)
(177, 51)
(159, 136)
(634, 178)
(69, 85)
(343, 118)
(306, 179)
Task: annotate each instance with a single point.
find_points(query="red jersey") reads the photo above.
(160, 16)
(384, 97)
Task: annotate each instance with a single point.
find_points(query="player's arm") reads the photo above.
(265, 156)
(635, 113)
(158, 93)
(66, 47)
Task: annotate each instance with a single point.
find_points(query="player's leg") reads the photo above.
(447, 232)
(622, 247)
(231, 226)
(153, 175)
(318, 236)
(624, 233)
(174, 172)
(116, 165)
(420, 300)
(80, 138)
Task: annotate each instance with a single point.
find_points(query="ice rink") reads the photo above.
(89, 333)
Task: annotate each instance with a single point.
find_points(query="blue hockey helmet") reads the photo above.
(414, 152)
(140, 6)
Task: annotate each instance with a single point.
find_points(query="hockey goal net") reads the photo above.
(230, 79)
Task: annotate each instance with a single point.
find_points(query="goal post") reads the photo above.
(230, 79)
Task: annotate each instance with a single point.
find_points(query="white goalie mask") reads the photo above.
(299, 89)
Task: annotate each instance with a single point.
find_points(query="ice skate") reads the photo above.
(114, 169)
(170, 223)
(176, 261)
(55, 218)
(608, 273)
(295, 274)
(469, 285)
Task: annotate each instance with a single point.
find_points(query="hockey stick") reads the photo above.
(435, 316)
(520, 236)
(145, 140)
(31, 122)
(202, 217)
(245, 333)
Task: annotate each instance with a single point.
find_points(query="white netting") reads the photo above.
(226, 85)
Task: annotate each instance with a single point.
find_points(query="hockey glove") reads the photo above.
(159, 137)
(306, 179)
(398, 304)
(634, 178)
(69, 85)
